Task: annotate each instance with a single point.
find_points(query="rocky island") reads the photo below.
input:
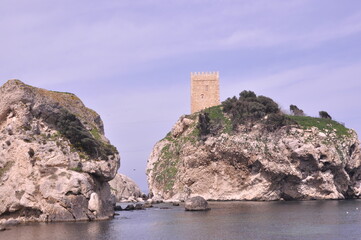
(247, 149)
(55, 162)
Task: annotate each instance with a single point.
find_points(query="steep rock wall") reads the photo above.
(55, 162)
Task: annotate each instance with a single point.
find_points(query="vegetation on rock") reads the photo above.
(248, 109)
(296, 111)
(324, 114)
(83, 140)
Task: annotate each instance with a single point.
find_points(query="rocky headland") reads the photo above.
(247, 149)
(55, 162)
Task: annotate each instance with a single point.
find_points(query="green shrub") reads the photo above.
(203, 124)
(249, 108)
(71, 128)
(296, 111)
(324, 114)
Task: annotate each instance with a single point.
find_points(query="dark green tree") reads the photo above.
(296, 111)
(324, 114)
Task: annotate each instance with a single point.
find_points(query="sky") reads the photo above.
(131, 60)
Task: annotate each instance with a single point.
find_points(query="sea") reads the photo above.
(301, 220)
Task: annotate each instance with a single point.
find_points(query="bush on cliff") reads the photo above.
(250, 108)
(71, 127)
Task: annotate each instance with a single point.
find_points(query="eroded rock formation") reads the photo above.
(55, 162)
(292, 162)
(123, 188)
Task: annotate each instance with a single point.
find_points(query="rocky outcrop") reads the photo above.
(123, 188)
(197, 203)
(55, 162)
(309, 159)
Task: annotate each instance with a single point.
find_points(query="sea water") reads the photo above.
(309, 220)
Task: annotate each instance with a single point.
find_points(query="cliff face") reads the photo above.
(123, 188)
(54, 159)
(298, 161)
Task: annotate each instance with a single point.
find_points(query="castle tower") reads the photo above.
(204, 90)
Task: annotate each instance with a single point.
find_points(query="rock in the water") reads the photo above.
(118, 208)
(144, 197)
(269, 159)
(123, 188)
(54, 158)
(11, 222)
(129, 207)
(2, 229)
(139, 206)
(175, 203)
(156, 200)
(148, 205)
(197, 203)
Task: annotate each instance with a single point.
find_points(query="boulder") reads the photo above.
(156, 200)
(148, 205)
(197, 203)
(139, 206)
(129, 207)
(118, 208)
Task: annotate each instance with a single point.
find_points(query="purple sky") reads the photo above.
(131, 60)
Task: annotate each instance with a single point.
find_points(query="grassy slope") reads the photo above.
(322, 124)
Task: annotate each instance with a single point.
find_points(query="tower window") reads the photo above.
(207, 87)
(202, 96)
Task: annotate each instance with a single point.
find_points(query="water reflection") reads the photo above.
(227, 220)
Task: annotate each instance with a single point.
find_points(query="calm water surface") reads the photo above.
(227, 220)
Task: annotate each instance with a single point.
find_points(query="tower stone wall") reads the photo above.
(204, 90)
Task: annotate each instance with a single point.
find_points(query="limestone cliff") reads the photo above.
(55, 162)
(123, 188)
(271, 158)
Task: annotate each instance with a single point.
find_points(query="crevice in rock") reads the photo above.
(26, 212)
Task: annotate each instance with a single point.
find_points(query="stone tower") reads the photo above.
(204, 90)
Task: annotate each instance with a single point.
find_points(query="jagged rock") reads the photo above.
(253, 163)
(196, 204)
(123, 188)
(54, 158)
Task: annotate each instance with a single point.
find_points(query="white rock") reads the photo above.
(94, 202)
(42, 170)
